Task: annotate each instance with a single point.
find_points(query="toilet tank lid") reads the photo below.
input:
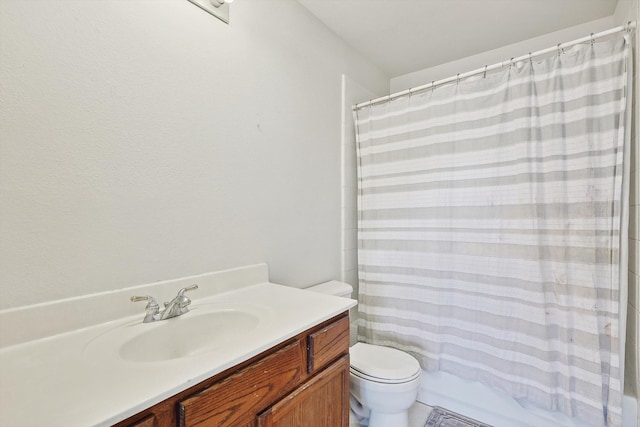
(334, 287)
(383, 362)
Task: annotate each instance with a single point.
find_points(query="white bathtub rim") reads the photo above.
(484, 404)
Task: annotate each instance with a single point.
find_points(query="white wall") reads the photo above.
(421, 77)
(145, 140)
(352, 93)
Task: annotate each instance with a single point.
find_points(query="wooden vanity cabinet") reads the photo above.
(302, 382)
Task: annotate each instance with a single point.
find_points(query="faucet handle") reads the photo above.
(182, 300)
(151, 303)
(191, 288)
(188, 288)
(152, 307)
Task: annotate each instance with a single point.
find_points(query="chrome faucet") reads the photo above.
(176, 307)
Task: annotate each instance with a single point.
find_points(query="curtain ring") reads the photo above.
(530, 59)
(511, 63)
(484, 76)
(559, 49)
(629, 27)
(433, 85)
(592, 40)
(457, 78)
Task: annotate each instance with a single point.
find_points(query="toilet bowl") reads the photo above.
(384, 380)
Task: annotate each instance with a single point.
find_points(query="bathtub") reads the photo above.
(497, 409)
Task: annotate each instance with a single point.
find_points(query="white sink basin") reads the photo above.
(206, 328)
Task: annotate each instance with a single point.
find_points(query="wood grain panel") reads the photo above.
(235, 400)
(322, 401)
(149, 421)
(327, 344)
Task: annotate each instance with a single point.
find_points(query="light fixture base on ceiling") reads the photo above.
(217, 8)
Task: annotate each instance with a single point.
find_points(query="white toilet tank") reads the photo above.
(334, 287)
(340, 289)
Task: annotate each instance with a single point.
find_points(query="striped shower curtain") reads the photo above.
(489, 227)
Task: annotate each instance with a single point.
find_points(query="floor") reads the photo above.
(418, 415)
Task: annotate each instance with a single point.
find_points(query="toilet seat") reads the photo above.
(383, 364)
(383, 380)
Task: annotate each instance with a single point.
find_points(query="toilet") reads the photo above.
(384, 380)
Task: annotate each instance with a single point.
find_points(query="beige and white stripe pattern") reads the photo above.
(489, 224)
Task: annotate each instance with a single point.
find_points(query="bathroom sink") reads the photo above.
(202, 330)
(188, 335)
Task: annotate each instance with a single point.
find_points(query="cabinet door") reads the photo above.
(323, 401)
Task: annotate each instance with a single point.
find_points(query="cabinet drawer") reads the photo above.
(149, 421)
(327, 344)
(234, 400)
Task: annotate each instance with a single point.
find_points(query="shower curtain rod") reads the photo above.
(631, 25)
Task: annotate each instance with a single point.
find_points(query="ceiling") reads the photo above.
(402, 36)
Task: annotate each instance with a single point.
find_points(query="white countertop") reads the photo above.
(63, 381)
